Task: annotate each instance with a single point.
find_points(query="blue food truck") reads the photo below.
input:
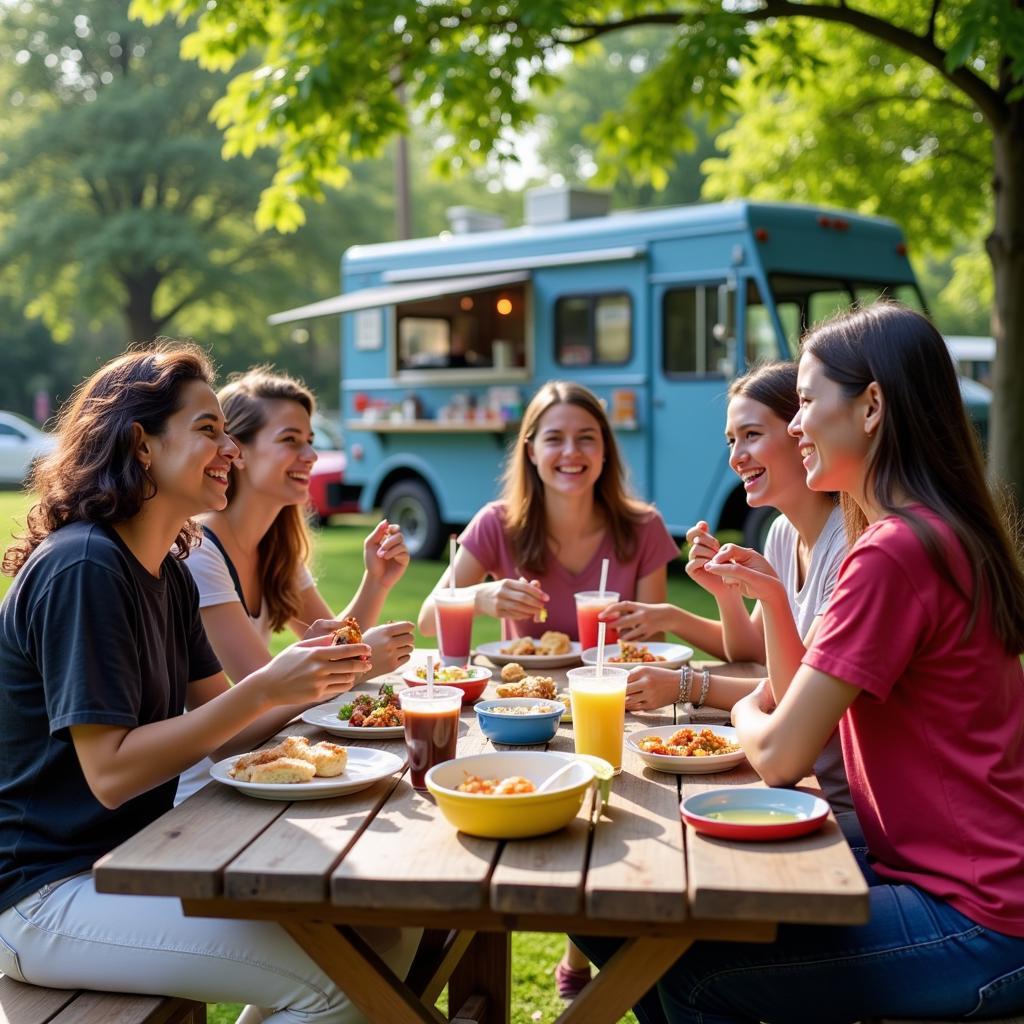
(445, 339)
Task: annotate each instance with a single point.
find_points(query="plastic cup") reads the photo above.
(453, 615)
(590, 604)
(599, 712)
(431, 727)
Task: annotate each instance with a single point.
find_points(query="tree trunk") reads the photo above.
(138, 310)
(1006, 251)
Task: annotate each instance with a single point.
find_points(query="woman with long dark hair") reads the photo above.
(101, 650)
(917, 660)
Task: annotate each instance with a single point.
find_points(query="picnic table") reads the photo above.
(386, 856)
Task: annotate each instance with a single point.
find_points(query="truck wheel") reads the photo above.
(411, 505)
(755, 527)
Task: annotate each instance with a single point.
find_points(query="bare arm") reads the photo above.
(649, 687)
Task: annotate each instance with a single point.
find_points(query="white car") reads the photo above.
(20, 442)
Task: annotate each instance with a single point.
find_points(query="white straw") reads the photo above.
(600, 649)
(430, 677)
(451, 564)
(604, 575)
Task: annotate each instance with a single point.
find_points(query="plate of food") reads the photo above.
(629, 655)
(550, 650)
(360, 715)
(296, 769)
(754, 814)
(515, 681)
(687, 749)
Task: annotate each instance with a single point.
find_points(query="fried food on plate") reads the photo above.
(282, 769)
(294, 759)
(553, 642)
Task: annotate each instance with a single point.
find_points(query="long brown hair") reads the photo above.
(286, 545)
(926, 450)
(523, 492)
(93, 474)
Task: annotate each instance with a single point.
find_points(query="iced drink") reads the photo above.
(590, 604)
(598, 712)
(431, 727)
(453, 615)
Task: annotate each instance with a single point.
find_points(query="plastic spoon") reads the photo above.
(555, 776)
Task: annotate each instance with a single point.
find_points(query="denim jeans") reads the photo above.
(916, 957)
(66, 935)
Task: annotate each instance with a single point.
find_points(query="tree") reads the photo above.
(475, 66)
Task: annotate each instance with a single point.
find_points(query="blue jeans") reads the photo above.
(916, 957)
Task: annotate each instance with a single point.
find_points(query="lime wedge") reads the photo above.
(603, 772)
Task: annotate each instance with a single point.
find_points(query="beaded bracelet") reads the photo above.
(685, 682)
(705, 685)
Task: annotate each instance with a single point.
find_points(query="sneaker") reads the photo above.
(570, 981)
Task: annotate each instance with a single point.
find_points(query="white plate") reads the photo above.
(675, 655)
(529, 661)
(365, 766)
(686, 765)
(325, 716)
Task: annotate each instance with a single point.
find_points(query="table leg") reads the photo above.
(356, 969)
(637, 965)
(484, 970)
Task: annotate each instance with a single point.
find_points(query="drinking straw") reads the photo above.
(451, 564)
(430, 677)
(604, 575)
(600, 649)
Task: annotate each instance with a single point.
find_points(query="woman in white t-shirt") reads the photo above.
(792, 581)
(251, 567)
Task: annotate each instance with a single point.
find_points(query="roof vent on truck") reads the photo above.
(554, 204)
(465, 220)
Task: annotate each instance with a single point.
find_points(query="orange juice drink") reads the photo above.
(599, 712)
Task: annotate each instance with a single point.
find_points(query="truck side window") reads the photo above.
(691, 345)
(593, 329)
(761, 344)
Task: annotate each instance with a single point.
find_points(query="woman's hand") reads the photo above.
(385, 554)
(635, 621)
(511, 599)
(391, 645)
(311, 671)
(648, 688)
(746, 570)
(703, 547)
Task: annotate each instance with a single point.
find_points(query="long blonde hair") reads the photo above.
(286, 545)
(522, 492)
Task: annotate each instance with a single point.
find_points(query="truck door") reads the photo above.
(692, 363)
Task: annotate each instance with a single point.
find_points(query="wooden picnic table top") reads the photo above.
(386, 855)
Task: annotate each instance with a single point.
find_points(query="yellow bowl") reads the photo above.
(513, 816)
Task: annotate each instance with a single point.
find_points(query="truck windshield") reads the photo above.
(804, 300)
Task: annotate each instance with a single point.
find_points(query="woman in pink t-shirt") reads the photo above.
(917, 659)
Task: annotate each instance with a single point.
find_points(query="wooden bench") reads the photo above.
(31, 1004)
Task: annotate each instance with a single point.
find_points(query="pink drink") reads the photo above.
(453, 615)
(590, 604)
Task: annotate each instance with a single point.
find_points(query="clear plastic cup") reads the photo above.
(599, 712)
(431, 727)
(453, 616)
(590, 604)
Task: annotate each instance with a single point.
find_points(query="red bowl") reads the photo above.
(472, 689)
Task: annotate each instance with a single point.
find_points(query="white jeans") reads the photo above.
(67, 935)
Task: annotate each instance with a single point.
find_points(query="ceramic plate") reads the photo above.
(364, 768)
(687, 765)
(325, 716)
(529, 661)
(675, 655)
(796, 813)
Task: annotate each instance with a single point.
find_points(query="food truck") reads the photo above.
(445, 339)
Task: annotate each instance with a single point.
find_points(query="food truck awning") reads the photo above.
(388, 295)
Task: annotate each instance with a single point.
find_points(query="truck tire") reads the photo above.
(411, 505)
(755, 527)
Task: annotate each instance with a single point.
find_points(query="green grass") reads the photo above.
(338, 568)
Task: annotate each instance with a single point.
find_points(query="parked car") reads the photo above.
(20, 442)
(328, 493)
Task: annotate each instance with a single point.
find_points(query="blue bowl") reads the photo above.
(519, 730)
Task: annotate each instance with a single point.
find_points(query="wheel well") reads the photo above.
(396, 476)
(734, 511)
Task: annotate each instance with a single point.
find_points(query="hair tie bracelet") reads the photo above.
(685, 682)
(705, 685)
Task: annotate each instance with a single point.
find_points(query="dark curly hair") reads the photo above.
(93, 475)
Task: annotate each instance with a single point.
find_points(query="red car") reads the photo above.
(328, 493)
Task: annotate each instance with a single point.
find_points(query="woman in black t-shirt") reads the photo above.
(101, 650)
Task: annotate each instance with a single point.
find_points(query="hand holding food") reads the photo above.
(292, 760)
(746, 569)
(385, 555)
(310, 672)
(635, 621)
(648, 687)
(703, 547)
(347, 633)
(391, 645)
(511, 599)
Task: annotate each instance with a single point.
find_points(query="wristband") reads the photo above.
(685, 682)
(705, 685)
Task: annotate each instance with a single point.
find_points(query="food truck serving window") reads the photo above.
(593, 330)
(474, 330)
